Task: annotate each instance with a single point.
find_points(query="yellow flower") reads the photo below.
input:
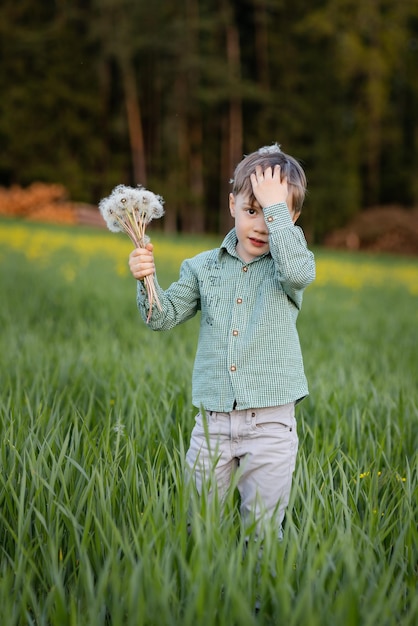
(41, 244)
(356, 275)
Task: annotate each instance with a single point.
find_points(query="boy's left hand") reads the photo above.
(268, 186)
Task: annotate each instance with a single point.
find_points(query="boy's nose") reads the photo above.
(261, 226)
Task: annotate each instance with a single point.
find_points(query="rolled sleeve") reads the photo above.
(294, 262)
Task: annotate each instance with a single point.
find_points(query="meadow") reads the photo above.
(95, 416)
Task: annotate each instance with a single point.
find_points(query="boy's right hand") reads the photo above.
(141, 262)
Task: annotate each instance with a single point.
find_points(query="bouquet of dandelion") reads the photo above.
(130, 210)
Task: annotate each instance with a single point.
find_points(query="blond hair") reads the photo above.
(269, 156)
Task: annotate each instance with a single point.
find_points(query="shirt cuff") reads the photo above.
(277, 216)
(141, 292)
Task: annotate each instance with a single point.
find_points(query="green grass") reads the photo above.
(95, 418)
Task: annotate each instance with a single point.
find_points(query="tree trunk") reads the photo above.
(184, 133)
(196, 217)
(193, 214)
(133, 112)
(232, 140)
(261, 43)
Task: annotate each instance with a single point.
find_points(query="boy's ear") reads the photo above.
(232, 204)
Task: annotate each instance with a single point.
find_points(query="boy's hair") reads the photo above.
(269, 156)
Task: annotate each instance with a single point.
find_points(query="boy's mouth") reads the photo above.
(257, 242)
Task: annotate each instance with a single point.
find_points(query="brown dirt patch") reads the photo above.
(43, 202)
(392, 229)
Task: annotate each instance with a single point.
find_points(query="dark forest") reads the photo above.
(172, 94)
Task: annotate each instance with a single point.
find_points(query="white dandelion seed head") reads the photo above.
(129, 205)
(273, 149)
(148, 204)
(108, 210)
(119, 428)
(122, 199)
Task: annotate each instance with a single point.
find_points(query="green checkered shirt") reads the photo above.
(248, 354)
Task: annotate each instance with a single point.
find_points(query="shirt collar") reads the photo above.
(229, 244)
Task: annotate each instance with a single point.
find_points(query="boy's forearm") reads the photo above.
(178, 303)
(160, 319)
(288, 247)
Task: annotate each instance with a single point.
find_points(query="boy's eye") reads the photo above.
(251, 211)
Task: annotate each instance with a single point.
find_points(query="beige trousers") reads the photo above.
(254, 449)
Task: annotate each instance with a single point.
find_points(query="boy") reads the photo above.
(248, 372)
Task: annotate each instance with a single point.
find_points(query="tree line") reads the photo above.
(172, 94)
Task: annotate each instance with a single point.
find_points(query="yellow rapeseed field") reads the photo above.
(42, 244)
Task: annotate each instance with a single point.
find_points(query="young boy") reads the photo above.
(248, 372)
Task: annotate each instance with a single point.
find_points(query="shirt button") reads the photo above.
(233, 368)
(245, 268)
(235, 333)
(270, 218)
(239, 300)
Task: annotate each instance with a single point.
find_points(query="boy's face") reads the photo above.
(250, 226)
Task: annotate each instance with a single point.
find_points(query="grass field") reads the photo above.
(95, 415)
